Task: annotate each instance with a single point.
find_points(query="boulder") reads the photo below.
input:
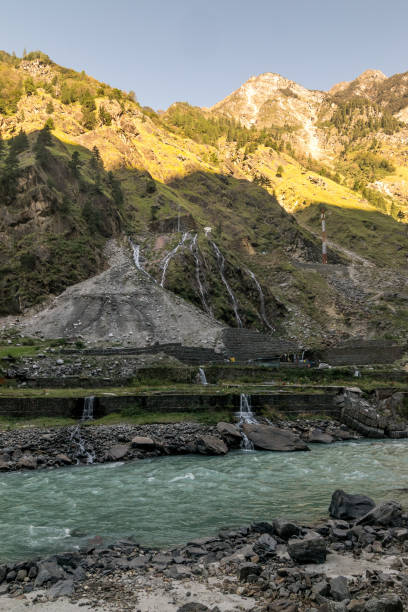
(339, 590)
(320, 437)
(210, 445)
(388, 603)
(230, 434)
(342, 434)
(27, 462)
(62, 458)
(49, 571)
(266, 437)
(178, 572)
(63, 588)
(117, 452)
(309, 550)
(349, 507)
(249, 569)
(265, 546)
(384, 514)
(4, 466)
(285, 529)
(3, 572)
(143, 443)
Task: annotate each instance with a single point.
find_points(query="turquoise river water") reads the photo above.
(167, 501)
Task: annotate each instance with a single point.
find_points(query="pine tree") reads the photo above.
(50, 107)
(44, 140)
(74, 164)
(20, 142)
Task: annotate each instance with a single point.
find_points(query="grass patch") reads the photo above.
(18, 423)
(136, 417)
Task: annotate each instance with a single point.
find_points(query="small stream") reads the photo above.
(167, 501)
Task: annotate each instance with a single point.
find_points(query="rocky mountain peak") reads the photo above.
(363, 85)
(269, 99)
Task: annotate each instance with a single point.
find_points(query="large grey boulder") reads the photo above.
(384, 514)
(230, 434)
(143, 443)
(49, 571)
(310, 550)
(349, 507)
(210, 445)
(266, 437)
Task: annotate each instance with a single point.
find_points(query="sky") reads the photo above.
(199, 52)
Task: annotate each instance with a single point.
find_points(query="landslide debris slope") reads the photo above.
(82, 163)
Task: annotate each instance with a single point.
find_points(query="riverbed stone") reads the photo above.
(318, 436)
(143, 442)
(285, 529)
(383, 514)
(3, 572)
(117, 452)
(388, 603)
(27, 462)
(349, 507)
(211, 445)
(63, 588)
(265, 546)
(249, 569)
(309, 550)
(62, 458)
(267, 437)
(339, 590)
(49, 571)
(178, 572)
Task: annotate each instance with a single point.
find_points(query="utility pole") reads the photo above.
(324, 240)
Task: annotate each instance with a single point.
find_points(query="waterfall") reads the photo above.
(261, 300)
(136, 259)
(87, 413)
(245, 415)
(81, 452)
(221, 265)
(194, 250)
(203, 378)
(170, 256)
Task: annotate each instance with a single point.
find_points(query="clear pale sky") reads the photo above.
(200, 51)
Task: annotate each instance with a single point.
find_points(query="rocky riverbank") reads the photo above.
(355, 563)
(42, 448)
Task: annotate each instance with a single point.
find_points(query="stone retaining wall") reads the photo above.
(72, 407)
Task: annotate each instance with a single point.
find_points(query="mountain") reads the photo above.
(222, 205)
